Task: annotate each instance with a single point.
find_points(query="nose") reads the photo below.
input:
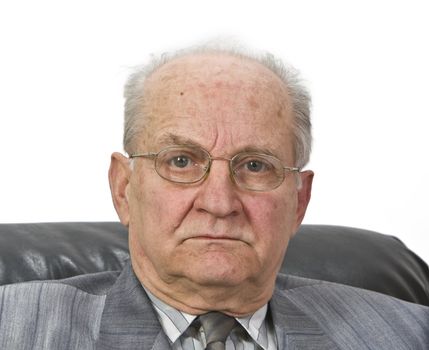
(218, 194)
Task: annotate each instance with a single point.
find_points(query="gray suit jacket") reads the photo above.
(111, 311)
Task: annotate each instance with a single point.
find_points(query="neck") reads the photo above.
(196, 299)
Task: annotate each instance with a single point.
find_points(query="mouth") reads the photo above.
(214, 238)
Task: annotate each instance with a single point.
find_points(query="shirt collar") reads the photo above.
(175, 322)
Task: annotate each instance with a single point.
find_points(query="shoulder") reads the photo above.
(94, 283)
(343, 298)
(340, 308)
(90, 286)
(50, 311)
(305, 288)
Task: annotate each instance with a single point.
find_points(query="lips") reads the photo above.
(213, 237)
(211, 234)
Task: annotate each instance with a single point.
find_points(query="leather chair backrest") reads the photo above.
(345, 255)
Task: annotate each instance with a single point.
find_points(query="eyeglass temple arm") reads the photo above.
(143, 155)
(288, 168)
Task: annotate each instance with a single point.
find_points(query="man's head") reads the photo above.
(211, 244)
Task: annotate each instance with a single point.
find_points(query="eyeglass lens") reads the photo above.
(190, 164)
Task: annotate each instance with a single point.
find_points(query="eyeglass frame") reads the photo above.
(154, 157)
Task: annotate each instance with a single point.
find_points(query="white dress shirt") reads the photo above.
(256, 331)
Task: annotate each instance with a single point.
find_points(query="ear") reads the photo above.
(304, 195)
(119, 178)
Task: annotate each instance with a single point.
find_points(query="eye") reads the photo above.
(182, 164)
(255, 166)
(180, 161)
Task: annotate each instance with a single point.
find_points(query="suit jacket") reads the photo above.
(111, 311)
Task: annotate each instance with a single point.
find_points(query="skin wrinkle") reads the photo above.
(185, 76)
(167, 220)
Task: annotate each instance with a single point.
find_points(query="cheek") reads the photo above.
(272, 220)
(162, 209)
(272, 225)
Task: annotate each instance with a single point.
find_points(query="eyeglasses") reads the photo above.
(189, 164)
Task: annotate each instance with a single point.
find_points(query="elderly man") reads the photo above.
(212, 192)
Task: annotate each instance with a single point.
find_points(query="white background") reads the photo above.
(63, 65)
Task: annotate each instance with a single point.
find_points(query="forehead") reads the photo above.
(217, 99)
(211, 73)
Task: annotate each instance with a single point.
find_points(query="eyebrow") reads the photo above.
(171, 139)
(262, 150)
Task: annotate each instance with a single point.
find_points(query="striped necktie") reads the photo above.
(217, 327)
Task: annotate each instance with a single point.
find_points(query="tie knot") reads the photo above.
(217, 327)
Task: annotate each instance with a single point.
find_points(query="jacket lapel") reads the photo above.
(294, 328)
(128, 320)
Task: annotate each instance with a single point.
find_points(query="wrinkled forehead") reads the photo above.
(214, 71)
(222, 91)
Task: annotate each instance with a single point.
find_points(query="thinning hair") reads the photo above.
(134, 118)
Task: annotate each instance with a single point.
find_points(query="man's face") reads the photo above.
(213, 234)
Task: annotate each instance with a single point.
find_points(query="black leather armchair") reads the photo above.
(346, 255)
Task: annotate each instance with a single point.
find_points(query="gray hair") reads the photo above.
(301, 100)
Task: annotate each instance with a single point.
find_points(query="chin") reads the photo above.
(219, 271)
(218, 281)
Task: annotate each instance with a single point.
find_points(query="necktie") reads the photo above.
(217, 327)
